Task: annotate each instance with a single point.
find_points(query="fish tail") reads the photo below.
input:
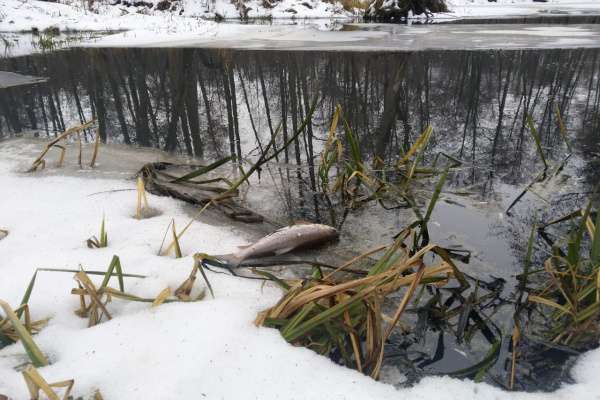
(232, 260)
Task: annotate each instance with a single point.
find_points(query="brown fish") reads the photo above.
(283, 241)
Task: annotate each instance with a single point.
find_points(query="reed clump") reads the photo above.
(343, 316)
(347, 182)
(566, 287)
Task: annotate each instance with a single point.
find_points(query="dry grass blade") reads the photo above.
(96, 147)
(561, 126)
(178, 236)
(131, 297)
(401, 307)
(538, 141)
(8, 331)
(39, 161)
(202, 170)
(176, 240)
(184, 291)
(418, 145)
(36, 383)
(33, 351)
(142, 200)
(516, 337)
(162, 297)
(80, 150)
(61, 158)
(549, 303)
(96, 308)
(356, 259)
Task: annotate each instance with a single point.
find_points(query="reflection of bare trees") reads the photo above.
(194, 101)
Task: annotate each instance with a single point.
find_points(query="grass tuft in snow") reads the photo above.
(100, 241)
(184, 291)
(141, 196)
(36, 383)
(94, 300)
(13, 330)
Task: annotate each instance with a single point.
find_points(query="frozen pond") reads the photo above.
(370, 37)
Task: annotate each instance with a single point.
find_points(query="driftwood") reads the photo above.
(159, 179)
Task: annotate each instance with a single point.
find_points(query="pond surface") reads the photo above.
(210, 99)
(370, 37)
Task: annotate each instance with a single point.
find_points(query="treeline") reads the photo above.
(211, 103)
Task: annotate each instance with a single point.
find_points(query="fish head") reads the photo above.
(329, 231)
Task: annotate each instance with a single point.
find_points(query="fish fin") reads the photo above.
(284, 250)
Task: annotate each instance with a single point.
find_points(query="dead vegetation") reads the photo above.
(344, 316)
(36, 384)
(567, 286)
(40, 161)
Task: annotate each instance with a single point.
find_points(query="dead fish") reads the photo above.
(283, 241)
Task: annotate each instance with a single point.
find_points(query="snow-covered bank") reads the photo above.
(16, 15)
(503, 8)
(194, 16)
(209, 349)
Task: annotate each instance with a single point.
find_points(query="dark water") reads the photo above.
(213, 103)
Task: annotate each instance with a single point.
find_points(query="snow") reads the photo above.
(173, 351)
(195, 15)
(207, 349)
(19, 15)
(502, 8)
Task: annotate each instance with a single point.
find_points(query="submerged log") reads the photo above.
(398, 10)
(160, 179)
